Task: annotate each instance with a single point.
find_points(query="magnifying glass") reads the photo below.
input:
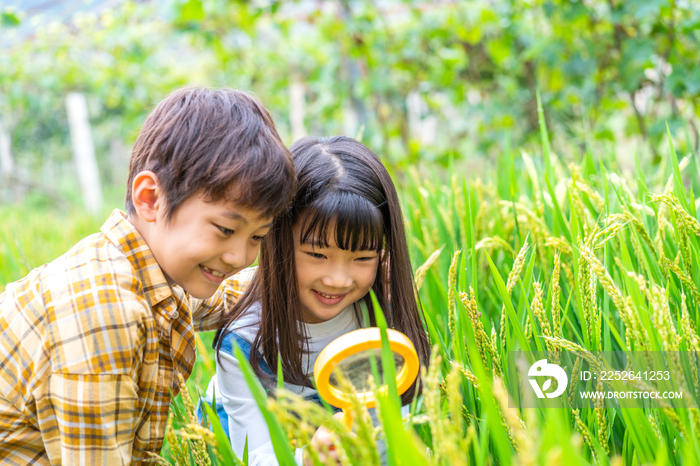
(349, 356)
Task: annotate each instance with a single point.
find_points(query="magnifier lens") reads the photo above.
(357, 369)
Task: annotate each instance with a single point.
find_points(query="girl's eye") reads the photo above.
(364, 259)
(316, 255)
(257, 239)
(226, 231)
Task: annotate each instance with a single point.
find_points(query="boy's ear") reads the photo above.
(145, 194)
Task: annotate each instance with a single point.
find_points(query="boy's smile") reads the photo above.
(213, 275)
(330, 279)
(203, 243)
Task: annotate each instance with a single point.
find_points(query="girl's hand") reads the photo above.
(323, 440)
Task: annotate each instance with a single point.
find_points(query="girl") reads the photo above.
(341, 237)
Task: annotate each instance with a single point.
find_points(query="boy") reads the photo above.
(92, 342)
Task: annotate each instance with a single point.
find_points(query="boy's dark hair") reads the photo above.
(343, 190)
(220, 142)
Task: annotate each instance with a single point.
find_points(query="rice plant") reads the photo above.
(564, 260)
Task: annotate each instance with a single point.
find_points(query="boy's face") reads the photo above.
(206, 242)
(330, 279)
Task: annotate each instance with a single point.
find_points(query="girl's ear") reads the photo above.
(146, 194)
(385, 259)
(385, 266)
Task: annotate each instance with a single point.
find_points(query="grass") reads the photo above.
(571, 260)
(30, 238)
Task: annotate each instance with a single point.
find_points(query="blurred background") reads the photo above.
(438, 83)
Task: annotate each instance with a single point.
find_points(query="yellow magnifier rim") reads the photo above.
(354, 342)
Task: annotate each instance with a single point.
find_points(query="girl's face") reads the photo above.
(330, 279)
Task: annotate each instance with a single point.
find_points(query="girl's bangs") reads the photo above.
(358, 223)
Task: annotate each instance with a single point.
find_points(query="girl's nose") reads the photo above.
(337, 279)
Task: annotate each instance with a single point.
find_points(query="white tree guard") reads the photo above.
(7, 165)
(84, 152)
(297, 109)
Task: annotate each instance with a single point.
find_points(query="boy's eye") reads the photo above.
(226, 231)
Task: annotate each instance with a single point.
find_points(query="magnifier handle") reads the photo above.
(348, 419)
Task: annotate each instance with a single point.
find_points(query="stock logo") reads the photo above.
(542, 369)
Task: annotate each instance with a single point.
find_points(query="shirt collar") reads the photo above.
(331, 326)
(130, 242)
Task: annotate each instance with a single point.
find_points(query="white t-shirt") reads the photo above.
(244, 417)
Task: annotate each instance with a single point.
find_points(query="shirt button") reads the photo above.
(174, 315)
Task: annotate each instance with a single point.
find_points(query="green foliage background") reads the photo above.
(610, 72)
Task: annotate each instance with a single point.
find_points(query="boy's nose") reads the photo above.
(235, 257)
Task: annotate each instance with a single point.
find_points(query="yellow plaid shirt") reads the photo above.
(90, 345)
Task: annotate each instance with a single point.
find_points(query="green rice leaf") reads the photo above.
(284, 453)
(223, 445)
(519, 333)
(400, 446)
(678, 188)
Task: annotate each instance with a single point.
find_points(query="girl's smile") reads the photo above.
(328, 298)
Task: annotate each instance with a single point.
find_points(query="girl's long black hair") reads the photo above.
(340, 184)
